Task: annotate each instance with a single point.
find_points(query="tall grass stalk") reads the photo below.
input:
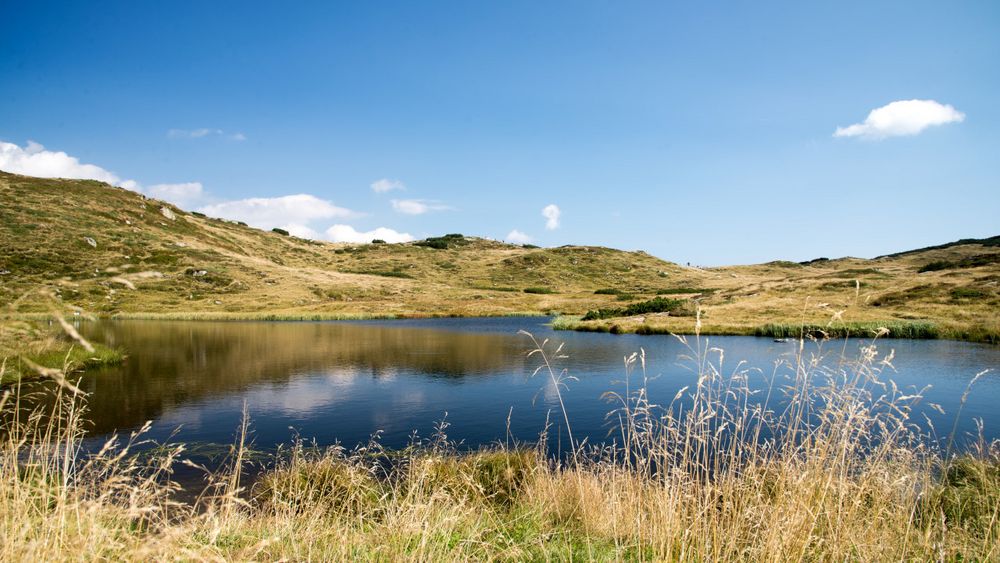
(823, 461)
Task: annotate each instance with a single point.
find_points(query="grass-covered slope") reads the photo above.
(96, 242)
(114, 252)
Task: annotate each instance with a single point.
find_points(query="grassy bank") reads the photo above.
(221, 316)
(29, 347)
(919, 330)
(837, 470)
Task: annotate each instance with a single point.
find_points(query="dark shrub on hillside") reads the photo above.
(543, 290)
(280, 231)
(608, 291)
(437, 243)
(655, 305)
(378, 241)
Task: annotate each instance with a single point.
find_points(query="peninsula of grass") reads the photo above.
(655, 305)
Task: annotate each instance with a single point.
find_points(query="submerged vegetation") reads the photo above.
(828, 463)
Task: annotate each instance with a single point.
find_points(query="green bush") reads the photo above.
(542, 290)
(608, 291)
(655, 305)
(436, 243)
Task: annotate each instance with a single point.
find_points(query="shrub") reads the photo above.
(684, 290)
(608, 291)
(435, 243)
(282, 232)
(542, 290)
(378, 241)
(678, 307)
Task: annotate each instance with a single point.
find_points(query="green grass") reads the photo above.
(897, 329)
(685, 290)
(655, 305)
(67, 356)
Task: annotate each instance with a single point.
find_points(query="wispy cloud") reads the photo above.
(386, 185)
(347, 233)
(552, 214)
(900, 118)
(204, 132)
(418, 206)
(35, 160)
(518, 237)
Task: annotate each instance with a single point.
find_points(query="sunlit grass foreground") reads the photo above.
(821, 464)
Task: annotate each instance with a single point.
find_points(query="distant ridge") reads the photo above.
(991, 241)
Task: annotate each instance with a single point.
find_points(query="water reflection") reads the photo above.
(177, 363)
(345, 381)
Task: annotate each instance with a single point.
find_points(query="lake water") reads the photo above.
(344, 381)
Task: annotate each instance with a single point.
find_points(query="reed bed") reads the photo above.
(825, 462)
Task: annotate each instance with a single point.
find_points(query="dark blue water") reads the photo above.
(346, 381)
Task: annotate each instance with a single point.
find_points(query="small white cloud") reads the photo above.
(518, 237)
(347, 233)
(35, 160)
(268, 212)
(417, 206)
(551, 213)
(181, 195)
(387, 185)
(900, 118)
(204, 132)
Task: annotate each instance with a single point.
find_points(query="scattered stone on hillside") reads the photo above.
(90, 241)
(217, 302)
(4, 272)
(168, 213)
(180, 244)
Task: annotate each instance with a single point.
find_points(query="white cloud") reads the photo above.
(417, 206)
(551, 213)
(903, 117)
(518, 237)
(34, 160)
(301, 231)
(387, 185)
(269, 212)
(181, 195)
(347, 233)
(204, 132)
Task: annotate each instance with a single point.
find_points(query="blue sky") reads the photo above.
(698, 133)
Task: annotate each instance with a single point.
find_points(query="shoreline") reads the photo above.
(662, 326)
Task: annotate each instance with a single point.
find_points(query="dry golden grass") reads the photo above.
(827, 466)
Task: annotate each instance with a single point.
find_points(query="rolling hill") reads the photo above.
(115, 252)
